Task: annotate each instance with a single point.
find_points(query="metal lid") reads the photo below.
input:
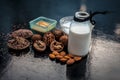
(81, 16)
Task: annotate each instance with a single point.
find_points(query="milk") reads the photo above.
(79, 39)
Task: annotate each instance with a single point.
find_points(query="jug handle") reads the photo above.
(95, 13)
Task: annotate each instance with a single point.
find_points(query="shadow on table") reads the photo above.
(5, 59)
(4, 62)
(77, 71)
(18, 52)
(43, 54)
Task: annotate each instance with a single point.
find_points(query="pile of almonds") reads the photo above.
(65, 58)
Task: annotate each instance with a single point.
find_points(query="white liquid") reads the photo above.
(79, 39)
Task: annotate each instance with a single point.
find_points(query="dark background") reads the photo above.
(20, 12)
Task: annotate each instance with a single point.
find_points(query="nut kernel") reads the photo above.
(52, 56)
(63, 59)
(77, 58)
(63, 53)
(70, 61)
(70, 55)
(55, 53)
(36, 37)
(67, 57)
(59, 57)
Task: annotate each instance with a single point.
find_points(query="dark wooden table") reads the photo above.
(102, 63)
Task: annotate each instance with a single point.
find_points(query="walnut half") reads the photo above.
(56, 46)
(18, 43)
(48, 38)
(39, 45)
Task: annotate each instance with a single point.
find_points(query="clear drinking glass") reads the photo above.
(65, 23)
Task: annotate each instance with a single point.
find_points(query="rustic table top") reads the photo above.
(102, 63)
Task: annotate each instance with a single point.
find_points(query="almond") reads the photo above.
(63, 53)
(70, 55)
(70, 61)
(52, 56)
(67, 57)
(55, 53)
(59, 57)
(77, 58)
(63, 59)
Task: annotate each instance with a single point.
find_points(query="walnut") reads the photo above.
(48, 38)
(36, 37)
(58, 33)
(56, 46)
(64, 39)
(18, 43)
(39, 45)
(25, 33)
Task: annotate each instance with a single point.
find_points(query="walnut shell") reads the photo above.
(48, 38)
(58, 33)
(64, 40)
(39, 45)
(18, 43)
(56, 46)
(36, 37)
(25, 33)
